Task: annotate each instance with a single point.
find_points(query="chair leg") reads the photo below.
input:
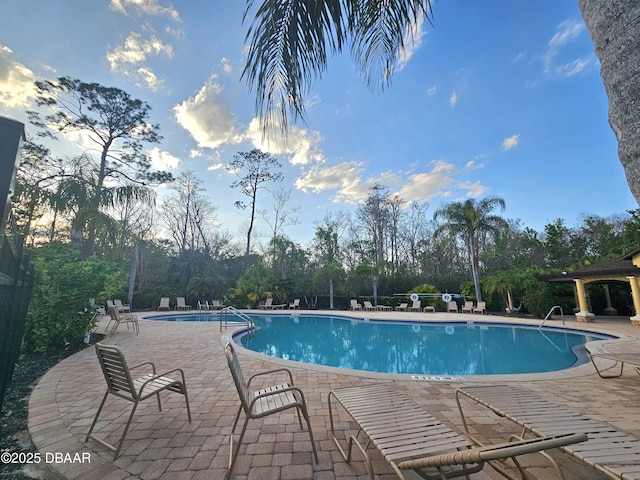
(233, 454)
(126, 430)
(313, 443)
(115, 449)
(95, 419)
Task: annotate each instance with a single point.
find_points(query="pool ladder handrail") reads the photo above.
(224, 317)
(549, 315)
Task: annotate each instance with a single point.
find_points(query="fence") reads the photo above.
(16, 283)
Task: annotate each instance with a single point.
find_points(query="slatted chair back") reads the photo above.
(116, 372)
(238, 377)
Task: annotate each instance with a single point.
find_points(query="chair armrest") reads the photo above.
(269, 372)
(153, 367)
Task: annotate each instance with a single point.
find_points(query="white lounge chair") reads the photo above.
(164, 304)
(354, 305)
(180, 304)
(481, 307)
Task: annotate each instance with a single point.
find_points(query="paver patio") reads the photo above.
(164, 445)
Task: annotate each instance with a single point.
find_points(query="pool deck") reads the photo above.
(164, 445)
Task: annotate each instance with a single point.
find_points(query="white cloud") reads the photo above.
(412, 42)
(148, 7)
(575, 67)
(432, 90)
(16, 80)
(511, 142)
(343, 177)
(566, 32)
(207, 118)
(301, 145)
(129, 59)
(227, 68)
(162, 160)
(453, 99)
(424, 186)
(474, 189)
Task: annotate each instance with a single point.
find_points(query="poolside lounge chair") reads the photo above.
(402, 307)
(164, 304)
(609, 450)
(467, 307)
(120, 383)
(429, 308)
(354, 305)
(416, 307)
(118, 317)
(203, 305)
(295, 305)
(110, 304)
(263, 402)
(383, 308)
(612, 360)
(452, 306)
(367, 306)
(267, 305)
(216, 305)
(121, 308)
(180, 304)
(409, 438)
(481, 307)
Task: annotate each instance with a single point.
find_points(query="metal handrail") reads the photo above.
(549, 315)
(224, 315)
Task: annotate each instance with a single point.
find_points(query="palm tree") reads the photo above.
(290, 40)
(472, 220)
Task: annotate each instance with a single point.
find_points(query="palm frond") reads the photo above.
(288, 45)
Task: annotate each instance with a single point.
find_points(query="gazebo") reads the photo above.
(623, 269)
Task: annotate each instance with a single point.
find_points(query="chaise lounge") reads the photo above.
(410, 439)
(609, 450)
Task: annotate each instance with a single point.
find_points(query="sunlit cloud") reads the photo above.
(207, 118)
(16, 80)
(473, 190)
(511, 142)
(162, 160)
(431, 91)
(301, 145)
(147, 7)
(129, 59)
(453, 99)
(343, 177)
(424, 186)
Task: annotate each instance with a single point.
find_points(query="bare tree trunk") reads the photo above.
(614, 26)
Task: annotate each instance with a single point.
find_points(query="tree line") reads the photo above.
(94, 219)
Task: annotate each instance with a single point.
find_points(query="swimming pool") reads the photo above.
(471, 348)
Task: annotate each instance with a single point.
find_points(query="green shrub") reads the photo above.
(66, 293)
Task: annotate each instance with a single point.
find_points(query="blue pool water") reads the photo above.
(419, 349)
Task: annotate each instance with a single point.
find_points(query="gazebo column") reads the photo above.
(584, 315)
(609, 310)
(635, 293)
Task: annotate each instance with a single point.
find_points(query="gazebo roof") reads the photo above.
(605, 270)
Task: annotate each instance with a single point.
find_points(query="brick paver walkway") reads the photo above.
(164, 445)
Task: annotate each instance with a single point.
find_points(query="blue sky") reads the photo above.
(495, 98)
